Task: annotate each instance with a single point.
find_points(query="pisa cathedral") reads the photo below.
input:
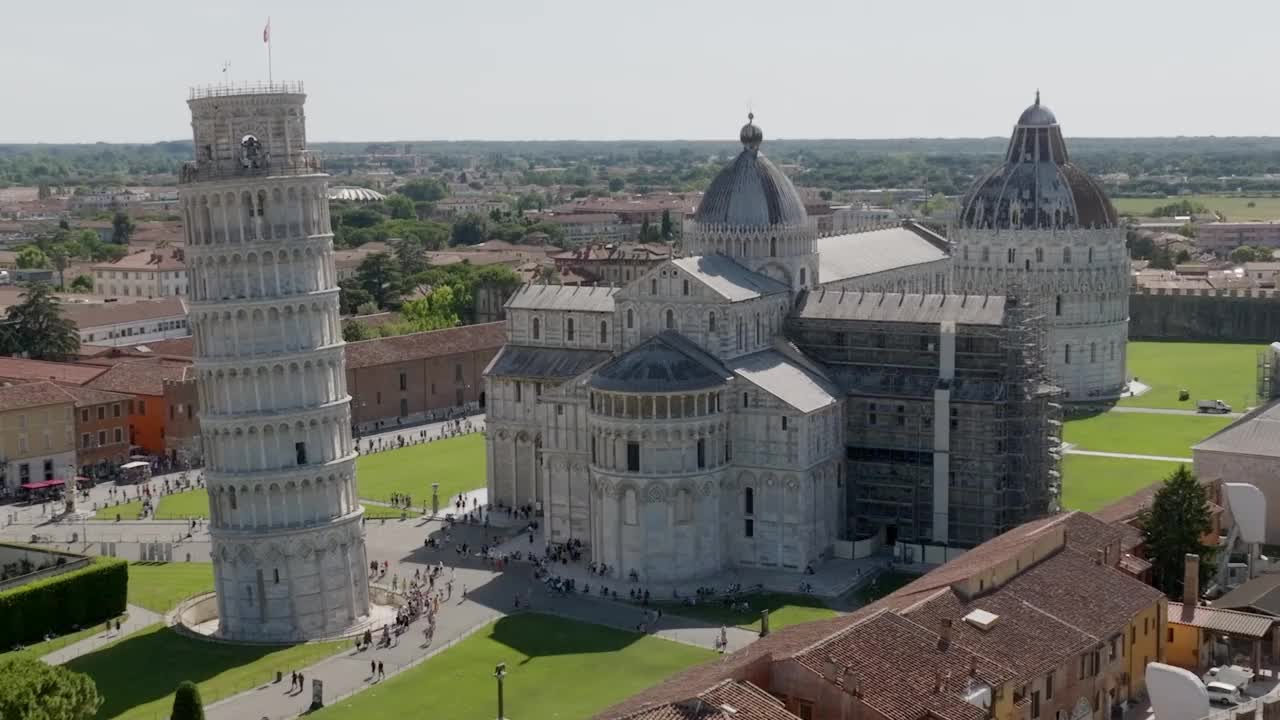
(772, 392)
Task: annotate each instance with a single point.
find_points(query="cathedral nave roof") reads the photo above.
(728, 279)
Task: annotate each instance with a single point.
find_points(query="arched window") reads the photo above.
(685, 291)
(568, 329)
(1090, 256)
(1093, 352)
(801, 277)
(604, 332)
(749, 501)
(631, 318)
(1013, 255)
(629, 507)
(746, 400)
(773, 247)
(1066, 256)
(653, 286)
(711, 322)
(757, 328)
(671, 320)
(1066, 354)
(537, 328)
(1057, 305)
(741, 339)
(1039, 254)
(964, 252)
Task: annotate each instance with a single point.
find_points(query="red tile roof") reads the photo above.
(87, 396)
(34, 394)
(144, 377)
(727, 700)
(102, 314)
(162, 260)
(418, 346)
(60, 372)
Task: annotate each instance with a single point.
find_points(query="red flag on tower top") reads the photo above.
(266, 32)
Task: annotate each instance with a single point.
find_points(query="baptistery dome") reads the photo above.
(751, 191)
(1037, 186)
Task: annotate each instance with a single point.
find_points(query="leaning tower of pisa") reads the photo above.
(287, 539)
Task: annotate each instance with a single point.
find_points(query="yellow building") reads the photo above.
(37, 434)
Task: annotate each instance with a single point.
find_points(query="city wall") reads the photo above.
(1204, 315)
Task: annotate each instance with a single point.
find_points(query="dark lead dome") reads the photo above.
(1037, 186)
(750, 191)
(665, 362)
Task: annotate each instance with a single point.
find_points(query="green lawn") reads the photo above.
(1142, 433)
(1089, 483)
(377, 512)
(784, 609)
(557, 669)
(458, 464)
(159, 587)
(1209, 371)
(1235, 208)
(136, 675)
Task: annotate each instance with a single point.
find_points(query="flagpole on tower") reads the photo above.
(266, 38)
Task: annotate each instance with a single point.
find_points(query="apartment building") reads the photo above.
(147, 273)
(37, 434)
(101, 429)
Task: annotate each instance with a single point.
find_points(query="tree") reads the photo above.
(433, 312)
(60, 257)
(1183, 255)
(186, 702)
(379, 275)
(122, 228)
(423, 190)
(354, 330)
(82, 284)
(32, 257)
(667, 227)
(400, 207)
(469, 230)
(1173, 527)
(616, 184)
(409, 253)
(30, 688)
(351, 296)
(1242, 254)
(36, 328)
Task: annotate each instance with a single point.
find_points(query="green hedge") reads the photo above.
(63, 603)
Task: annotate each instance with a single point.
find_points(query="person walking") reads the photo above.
(382, 674)
(373, 669)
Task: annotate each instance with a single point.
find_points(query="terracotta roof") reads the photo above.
(143, 377)
(1220, 620)
(86, 396)
(162, 260)
(35, 394)
(1259, 593)
(1087, 533)
(12, 368)
(897, 665)
(728, 700)
(1130, 507)
(417, 346)
(101, 314)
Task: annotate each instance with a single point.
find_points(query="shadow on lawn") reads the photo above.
(534, 635)
(148, 666)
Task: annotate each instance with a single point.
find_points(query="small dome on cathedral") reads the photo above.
(1037, 186)
(751, 191)
(1037, 114)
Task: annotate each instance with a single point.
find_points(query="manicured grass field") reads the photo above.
(1142, 433)
(557, 669)
(159, 587)
(377, 512)
(784, 609)
(136, 675)
(1209, 371)
(1233, 207)
(1089, 483)
(458, 464)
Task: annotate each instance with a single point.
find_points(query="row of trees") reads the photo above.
(445, 295)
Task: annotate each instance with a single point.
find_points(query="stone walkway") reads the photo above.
(138, 619)
(1125, 456)
(348, 672)
(1171, 411)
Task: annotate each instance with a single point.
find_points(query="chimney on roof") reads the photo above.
(1097, 556)
(973, 664)
(944, 633)
(831, 668)
(1191, 580)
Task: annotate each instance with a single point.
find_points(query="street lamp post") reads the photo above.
(500, 672)
(435, 499)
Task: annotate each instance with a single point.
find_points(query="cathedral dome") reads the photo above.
(751, 191)
(1037, 186)
(666, 362)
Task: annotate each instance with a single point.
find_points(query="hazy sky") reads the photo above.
(87, 70)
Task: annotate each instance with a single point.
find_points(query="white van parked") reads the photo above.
(1221, 693)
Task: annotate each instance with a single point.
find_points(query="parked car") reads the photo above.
(1221, 693)
(1212, 406)
(1233, 675)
